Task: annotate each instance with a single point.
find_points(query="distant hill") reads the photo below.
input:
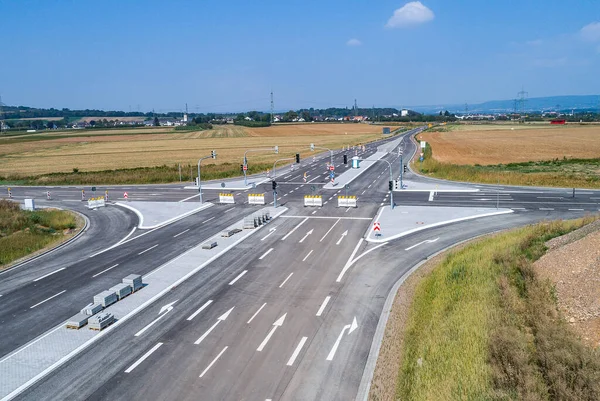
(549, 103)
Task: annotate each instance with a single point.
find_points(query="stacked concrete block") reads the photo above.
(121, 290)
(100, 321)
(106, 298)
(134, 281)
(92, 309)
(77, 321)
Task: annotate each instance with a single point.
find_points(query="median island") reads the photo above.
(508, 316)
(26, 233)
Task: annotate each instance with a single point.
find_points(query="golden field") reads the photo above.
(496, 144)
(103, 150)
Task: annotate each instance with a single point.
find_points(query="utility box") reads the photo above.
(100, 321)
(106, 298)
(355, 162)
(135, 281)
(386, 130)
(29, 204)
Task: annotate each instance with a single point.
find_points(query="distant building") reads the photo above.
(404, 113)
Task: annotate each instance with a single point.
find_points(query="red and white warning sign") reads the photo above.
(245, 167)
(377, 226)
(331, 167)
(125, 195)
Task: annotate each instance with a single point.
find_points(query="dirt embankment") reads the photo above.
(572, 264)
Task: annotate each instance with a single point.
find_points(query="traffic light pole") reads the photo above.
(274, 183)
(312, 147)
(275, 148)
(212, 156)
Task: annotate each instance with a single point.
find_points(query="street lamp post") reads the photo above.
(313, 147)
(213, 155)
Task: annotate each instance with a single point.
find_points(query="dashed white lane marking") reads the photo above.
(183, 232)
(257, 312)
(49, 274)
(294, 229)
(290, 362)
(143, 358)
(213, 362)
(105, 270)
(48, 299)
(207, 220)
(576, 210)
(314, 211)
(306, 257)
(323, 305)
(546, 208)
(152, 247)
(229, 210)
(193, 315)
(286, 279)
(265, 254)
(232, 282)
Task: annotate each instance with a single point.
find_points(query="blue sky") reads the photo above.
(228, 55)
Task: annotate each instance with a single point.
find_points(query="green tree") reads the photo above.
(156, 122)
(306, 116)
(290, 115)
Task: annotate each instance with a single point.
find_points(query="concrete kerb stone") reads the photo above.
(165, 222)
(367, 377)
(89, 337)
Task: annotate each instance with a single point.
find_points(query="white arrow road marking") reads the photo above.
(323, 305)
(219, 320)
(328, 231)
(143, 358)
(278, 323)
(297, 351)
(193, 315)
(293, 229)
(271, 231)
(427, 241)
(307, 234)
(213, 362)
(350, 328)
(342, 237)
(163, 312)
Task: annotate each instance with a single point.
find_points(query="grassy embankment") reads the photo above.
(24, 232)
(482, 326)
(564, 173)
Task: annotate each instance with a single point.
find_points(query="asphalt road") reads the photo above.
(274, 318)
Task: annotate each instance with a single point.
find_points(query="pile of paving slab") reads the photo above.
(92, 314)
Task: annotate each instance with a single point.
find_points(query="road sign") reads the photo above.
(332, 167)
(93, 189)
(347, 186)
(222, 185)
(245, 167)
(313, 188)
(332, 180)
(421, 158)
(125, 195)
(377, 226)
(423, 144)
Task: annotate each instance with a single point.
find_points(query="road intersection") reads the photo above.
(289, 313)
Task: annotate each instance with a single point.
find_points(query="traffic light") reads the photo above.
(213, 154)
(297, 157)
(242, 168)
(345, 159)
(391, 185)
(405, 168)
(274, 184)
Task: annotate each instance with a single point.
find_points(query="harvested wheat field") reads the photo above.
(102, 152)
(504, 145)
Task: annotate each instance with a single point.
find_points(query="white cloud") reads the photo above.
(353, 42)
(591, 32)
(412, 13)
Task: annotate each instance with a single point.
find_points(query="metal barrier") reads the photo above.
(313, 200)
(256, 199)
(347, 201)
(226, 198)
(96, 202)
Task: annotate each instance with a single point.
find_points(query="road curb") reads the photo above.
(56, 248)
(365, 383)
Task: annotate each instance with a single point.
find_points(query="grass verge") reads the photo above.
(25, 232)
(141, 175)
(563, 173)
(482, 326)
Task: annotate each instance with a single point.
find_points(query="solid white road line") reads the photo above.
(183, 232)
(105, 270)
(257, 312)
(265, 254)
(48, 299)
(323, 305)
(186, 199)
(286, 279)
(213, 362)
(143, 358)
(306, 257)
(232, 282)
(297, 351)
(193, 315)
(49, 274)
(152, 247)
(206, 221)
(294, 229)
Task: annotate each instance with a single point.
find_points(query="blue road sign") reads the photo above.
(421, 158)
